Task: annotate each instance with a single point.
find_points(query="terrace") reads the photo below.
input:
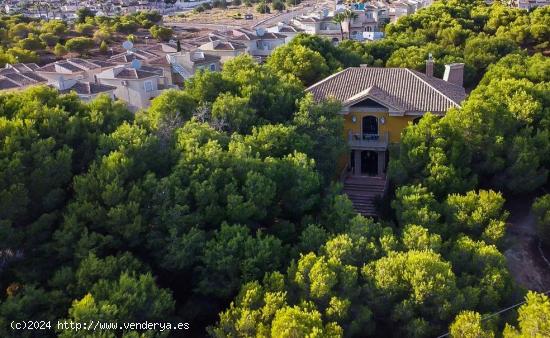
(369, 141)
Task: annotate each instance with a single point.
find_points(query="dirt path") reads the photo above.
(526, 265)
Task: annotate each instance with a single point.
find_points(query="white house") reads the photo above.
(134, 84)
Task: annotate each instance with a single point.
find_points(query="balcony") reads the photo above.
(369, 141)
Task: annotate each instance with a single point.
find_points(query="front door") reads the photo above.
(369, 163)
(370, 126)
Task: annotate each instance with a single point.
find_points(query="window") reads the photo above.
(213, 67)
(148, 86)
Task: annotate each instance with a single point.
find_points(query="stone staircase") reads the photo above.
(363, 191)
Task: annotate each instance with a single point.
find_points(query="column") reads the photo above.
(381, 162)
(357, 162)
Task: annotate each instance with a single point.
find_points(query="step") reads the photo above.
(359, 192)
(363, 192)
(365, 184)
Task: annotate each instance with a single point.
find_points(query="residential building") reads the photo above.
(285, 29)
(321, 24)
(370, 17)
(152, 55)
(186, 63)
(398, 9)
(225, 49)
(135, 84)
(377, 104)
(12, 8)
(529, 4)
(74, 68)
(19, 76)
(259, 43)
(86, 91)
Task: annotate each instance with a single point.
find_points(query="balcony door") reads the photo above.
(370, 127)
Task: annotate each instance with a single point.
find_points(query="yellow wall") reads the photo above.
(393, 124)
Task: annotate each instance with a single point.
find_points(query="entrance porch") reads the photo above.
(367, 162)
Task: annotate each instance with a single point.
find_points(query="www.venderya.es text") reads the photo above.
(95, 325)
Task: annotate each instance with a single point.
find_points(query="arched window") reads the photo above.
(370, 126)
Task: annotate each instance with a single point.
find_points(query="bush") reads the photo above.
(17, 54)
(278, 5)
(59, 50)
(49, 39)
(84, 13)
(102, 35)
(263, 8)
(85, 28)
(103, 47)
(80, 45)
(31, 43)
(126, 27)
(161, 33)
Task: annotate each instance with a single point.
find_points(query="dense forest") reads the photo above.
(218, 205)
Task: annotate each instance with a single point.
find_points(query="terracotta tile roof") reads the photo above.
(272, 36)
(34, 76)
(7, 84)
(403, 89)
(19, 68)
(201, 57)
(150, 69)
(7, 71)
(130, 73)
(206, 39)
(24, 79)
(161, 61)
(88, 88)
(74, 65)
(223, 45)
(142, 55)
(290, 29)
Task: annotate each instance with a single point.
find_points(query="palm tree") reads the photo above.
(349, 16)
(339, 19)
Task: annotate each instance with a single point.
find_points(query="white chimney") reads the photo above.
(454, 73)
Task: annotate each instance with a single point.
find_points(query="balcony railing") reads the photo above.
(377, 141)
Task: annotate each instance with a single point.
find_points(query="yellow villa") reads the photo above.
(377, 104)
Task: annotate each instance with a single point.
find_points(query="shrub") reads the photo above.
(80, 45)
(263, 8)
(49, 39)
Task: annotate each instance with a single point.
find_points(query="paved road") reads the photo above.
(304, 8)
(283, 17)
(213, 26)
